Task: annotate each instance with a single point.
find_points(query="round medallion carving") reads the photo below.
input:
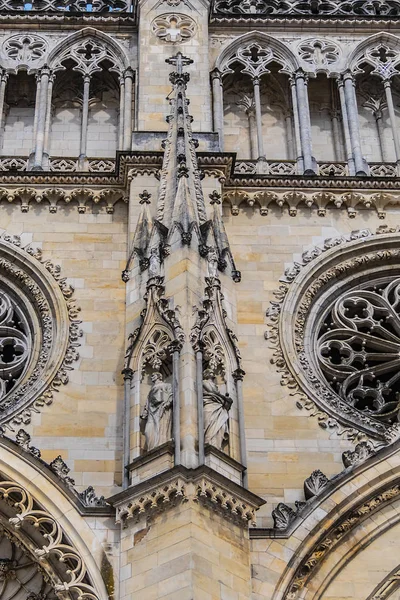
(174, 28)
(25, 49)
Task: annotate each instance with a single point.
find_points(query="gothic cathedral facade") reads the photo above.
(199, 299)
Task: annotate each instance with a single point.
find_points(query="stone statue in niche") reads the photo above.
(156, 417)
(154, 263)
(216, 412)
(212, 259)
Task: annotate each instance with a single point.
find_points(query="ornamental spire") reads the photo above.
(181, 203)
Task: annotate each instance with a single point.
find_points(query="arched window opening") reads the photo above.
(18, 115)
(100, 138)
(377, 136)
(326, 121)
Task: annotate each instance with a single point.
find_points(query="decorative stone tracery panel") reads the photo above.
(336, 333)
(25, 49)
(174, 28)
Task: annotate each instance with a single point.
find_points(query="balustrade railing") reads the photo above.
(65, 165)
(242, 167)
(289, 8)
(329, 169)
(70, 6)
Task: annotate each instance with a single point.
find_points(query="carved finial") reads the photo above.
(61, 469)
(144, 197)
(314, 484)
(215, 197)
(179, 61)
(22, 439)
(88, 498)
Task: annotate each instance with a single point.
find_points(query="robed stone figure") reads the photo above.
(156, 418)
(216, 412)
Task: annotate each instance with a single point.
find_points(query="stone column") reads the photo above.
(354, 127)
(37, 105)
(176, 414)
(289, 135)
(305, 123)
(126, 427)
(252, 133)
(393, 124)
(200, 407)
(43, 76)
(381, 134)
(46, 150)
(346, 130)
(84, 122)
(218, 106)
(3, 84)
(128, 77)
(257, 104)
(299, 156)
(238, 377)
(121, 113)
(336, 135)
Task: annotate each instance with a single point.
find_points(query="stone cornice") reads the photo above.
(202, 485)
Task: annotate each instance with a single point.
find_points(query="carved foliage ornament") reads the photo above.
(174, 28)
(341, 329)
(39, 331)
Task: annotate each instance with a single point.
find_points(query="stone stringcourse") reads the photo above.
(184, 485)
(330, 539)
(321, 400)
(87, 498)
(75, 581)
(47, 297)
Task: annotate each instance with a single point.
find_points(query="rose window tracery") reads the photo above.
(15, 343)
(359, 348)
(335, 327)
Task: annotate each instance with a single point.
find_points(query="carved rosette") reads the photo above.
(39, 331)
(339, 326)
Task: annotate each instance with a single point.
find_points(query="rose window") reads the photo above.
(15, 343)
(358, 347)
(336, 333)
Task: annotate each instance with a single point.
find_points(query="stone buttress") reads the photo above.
(185, 509)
